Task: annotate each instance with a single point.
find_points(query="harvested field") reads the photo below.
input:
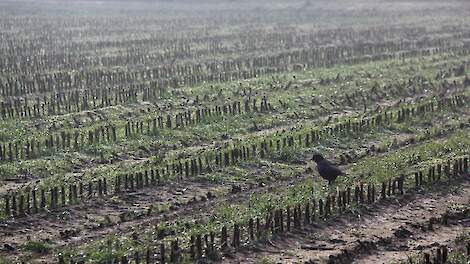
(157, 131)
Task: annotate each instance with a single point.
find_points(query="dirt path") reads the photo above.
(388, 231)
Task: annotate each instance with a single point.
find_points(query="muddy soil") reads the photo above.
(387, 232)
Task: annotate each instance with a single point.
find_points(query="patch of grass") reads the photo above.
(462, 238)
(419, 156)
(102, 251)
(265, 260)
(457, 258)
(37, 247)
(287, 155)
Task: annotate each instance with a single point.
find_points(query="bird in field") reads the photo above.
(326, 169)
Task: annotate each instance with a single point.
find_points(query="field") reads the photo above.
(183, 131)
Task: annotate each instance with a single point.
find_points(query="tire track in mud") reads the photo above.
(388, 231)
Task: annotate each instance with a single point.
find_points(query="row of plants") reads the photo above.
(438, 154)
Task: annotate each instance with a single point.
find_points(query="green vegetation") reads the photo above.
(36, 247)
(419, 157)
(264, 260)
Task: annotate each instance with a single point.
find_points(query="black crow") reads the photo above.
(326, 170)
